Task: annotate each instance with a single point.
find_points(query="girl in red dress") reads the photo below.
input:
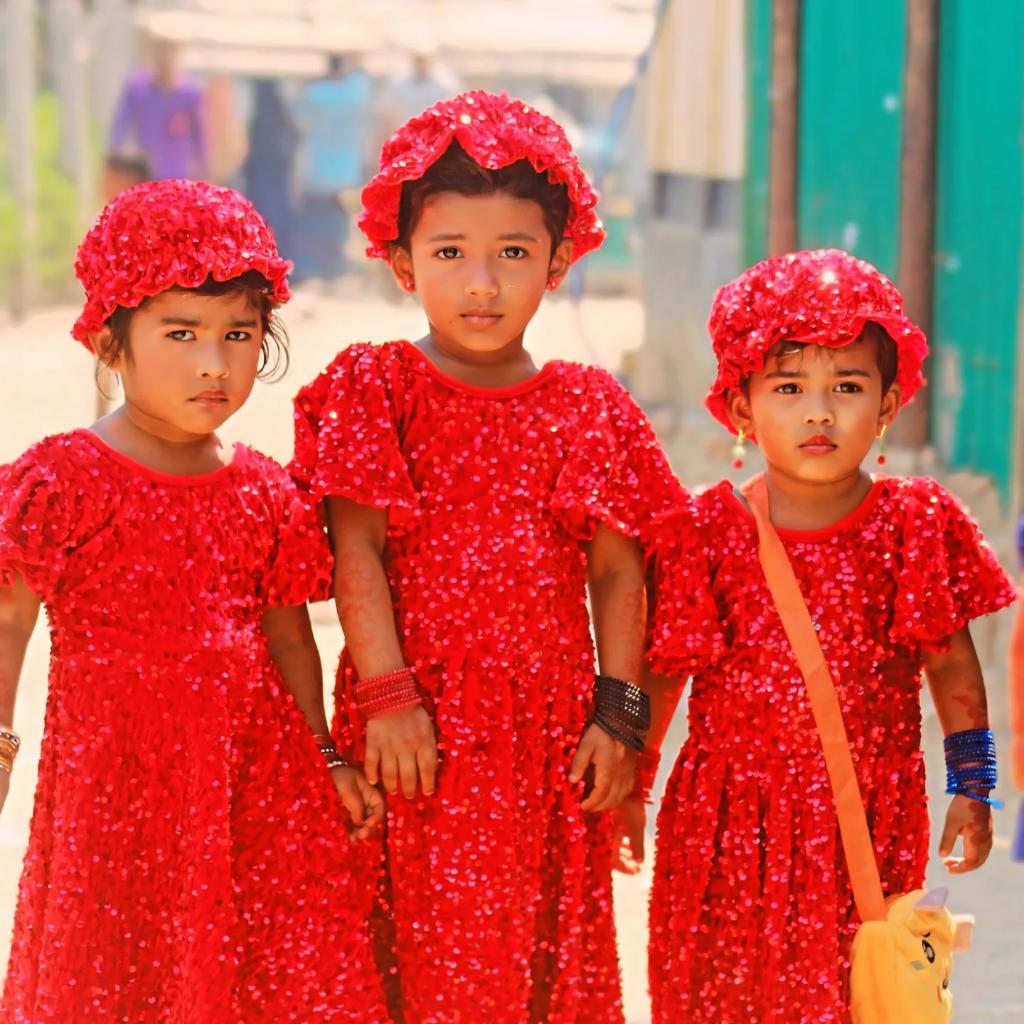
(188, 858)
(751, 909)
(471, 496)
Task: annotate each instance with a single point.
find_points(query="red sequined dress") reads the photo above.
(500, 887)
(188, 860)
(751, 909)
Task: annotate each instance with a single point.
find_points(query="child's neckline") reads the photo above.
(852, 518)
(453, 382)
(168, 478)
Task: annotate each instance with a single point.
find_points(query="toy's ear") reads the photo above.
(933, 899)
(964, 934)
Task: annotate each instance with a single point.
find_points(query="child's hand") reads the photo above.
(401, 747)
(971, 820)
(614, 769)
(628, 836)
(364, 803)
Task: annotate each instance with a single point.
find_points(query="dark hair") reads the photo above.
(885, 351)
(273, 348)
(456, 171)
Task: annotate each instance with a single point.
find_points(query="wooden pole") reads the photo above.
(915, 273)
(19, 97)
(785, 95)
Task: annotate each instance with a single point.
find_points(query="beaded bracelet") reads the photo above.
(622, 710)
(971, 765)
(10, 741)
(646, 772)
(330, 752)
(392, 691)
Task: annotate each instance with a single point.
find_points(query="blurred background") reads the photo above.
(717, 131)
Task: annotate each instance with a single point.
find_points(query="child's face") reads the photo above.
(191, 360)
(816, 411)
(480, 265)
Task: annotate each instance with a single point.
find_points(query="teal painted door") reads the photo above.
(758, 32)
(978, 235)
(851, 88)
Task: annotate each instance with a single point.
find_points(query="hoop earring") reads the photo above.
(880, 458)
(739, 449)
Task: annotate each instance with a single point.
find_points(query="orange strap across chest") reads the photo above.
(828, 716)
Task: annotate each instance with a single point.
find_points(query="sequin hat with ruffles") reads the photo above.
(818, 296)
(174, 232)
(495, 131)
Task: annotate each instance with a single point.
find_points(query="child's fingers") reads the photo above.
(426, 761)
(375, 808)
(584, 753)
(949, 833)
(388, 773)
(371, 763)
(636, 844)
(602, 786)
(408, 771)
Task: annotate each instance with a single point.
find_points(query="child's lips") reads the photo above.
(480, 317)
(210, 398)
(818, 445)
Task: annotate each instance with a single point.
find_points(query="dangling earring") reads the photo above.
(407, 283)
(739, 449)
(880, 458)
(552, 283)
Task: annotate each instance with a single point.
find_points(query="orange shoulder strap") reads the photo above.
(796, 621)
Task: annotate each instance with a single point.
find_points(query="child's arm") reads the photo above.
(958, 692)
(401, 747)
(618, 608)
(290, 639)
(19, 609)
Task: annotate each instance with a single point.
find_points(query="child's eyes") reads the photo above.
(847, 387)
(514, 252)
(238, 335)
(181, 335)
(449, 252)
(787, 389)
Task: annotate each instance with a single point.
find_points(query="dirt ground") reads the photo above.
(46, 387)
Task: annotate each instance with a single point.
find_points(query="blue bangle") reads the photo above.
(971, 765)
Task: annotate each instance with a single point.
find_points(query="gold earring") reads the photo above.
(739, 449)
(880, 458)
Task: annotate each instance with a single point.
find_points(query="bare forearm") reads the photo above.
(293, 648)
(957, 686)
(19, 609)
(664, 692)
(618, 606)
(363, 599)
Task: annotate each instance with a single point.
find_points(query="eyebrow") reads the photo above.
(510, 236)
(790, 374)
(188, 321)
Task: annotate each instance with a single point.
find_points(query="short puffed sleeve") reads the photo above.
(301, 565)
(615, 473)
(684, 625)
(36, 520)
(948, 574)
(346, 436)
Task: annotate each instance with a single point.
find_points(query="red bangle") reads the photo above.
(392, 691)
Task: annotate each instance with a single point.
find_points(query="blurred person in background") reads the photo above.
(159, 117)
(334, 115)
(426, 83)
(269, 168)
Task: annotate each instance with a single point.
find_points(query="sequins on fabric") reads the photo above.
(751, 909)
(820, 296)
(498, 883)
(188, 859)
(495, 131)
(174, 232)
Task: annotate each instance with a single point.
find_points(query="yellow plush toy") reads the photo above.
(901, 966)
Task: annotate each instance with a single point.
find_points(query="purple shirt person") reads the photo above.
(159, 115)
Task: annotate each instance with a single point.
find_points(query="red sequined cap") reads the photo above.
(820, 296)
(495, 131)
(174, 232)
